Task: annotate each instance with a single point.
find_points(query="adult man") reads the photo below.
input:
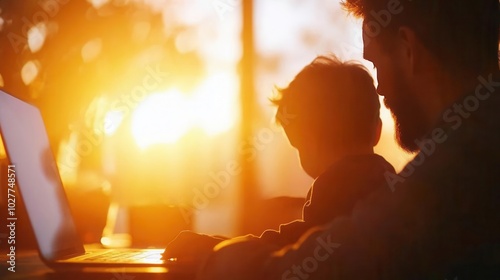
(437, 67)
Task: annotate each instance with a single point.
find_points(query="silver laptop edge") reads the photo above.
(27, 146)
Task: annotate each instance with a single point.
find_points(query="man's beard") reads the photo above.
(409, 119)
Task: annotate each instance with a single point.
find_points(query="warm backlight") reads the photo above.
(161, 118)
(2, 149)
(165, 117)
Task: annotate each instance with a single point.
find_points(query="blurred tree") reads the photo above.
(61, 54)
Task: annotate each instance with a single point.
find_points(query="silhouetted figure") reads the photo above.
(330, 114)
(333, 122)
(437, 66)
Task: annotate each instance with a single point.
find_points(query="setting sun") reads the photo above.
(161, 118)
(164, 117)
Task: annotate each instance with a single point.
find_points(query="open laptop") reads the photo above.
(27, 146)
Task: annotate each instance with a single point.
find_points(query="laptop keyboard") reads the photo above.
(121, 256)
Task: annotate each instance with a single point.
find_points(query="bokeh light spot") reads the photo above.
(91, 49)
(36, 37)
(98, 3)
(29, 72)
(141, 31)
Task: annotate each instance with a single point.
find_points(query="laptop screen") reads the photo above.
(28, 149)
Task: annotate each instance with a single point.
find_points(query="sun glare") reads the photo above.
(163, 118)
(214, 104)
(112, 121)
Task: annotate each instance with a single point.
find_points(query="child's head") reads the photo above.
(331, 108)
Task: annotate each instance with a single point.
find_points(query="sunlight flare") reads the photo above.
(161, 118)
(165, 117)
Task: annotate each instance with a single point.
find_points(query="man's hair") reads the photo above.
(462, 35)
(335, 100)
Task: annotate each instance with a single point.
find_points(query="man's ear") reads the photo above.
(378, 132)
(411, 49)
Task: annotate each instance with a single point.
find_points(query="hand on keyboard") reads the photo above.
(191, 246)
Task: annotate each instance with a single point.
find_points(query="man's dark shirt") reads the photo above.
(450, 197)
(334, 193)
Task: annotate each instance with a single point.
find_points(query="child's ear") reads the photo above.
(378, 132)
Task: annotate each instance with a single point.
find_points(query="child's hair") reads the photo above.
(335, 100)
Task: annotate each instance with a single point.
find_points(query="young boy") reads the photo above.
(335, 126)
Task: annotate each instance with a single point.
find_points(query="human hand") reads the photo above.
(191, 246)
